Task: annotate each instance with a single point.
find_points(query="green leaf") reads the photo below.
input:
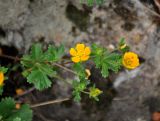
(80, 70)
(94, 93)
(104, 70)
(38, 69)
(77, 96)
(9, 113)
(78, 87)
(54, 53)
(17, 119)
(22, 114)
(90, 2)
(6, 107)
(47, 70)
(106, 61)
(1, 90)
(3, 69)
(99, 2)
(27, 61)
(36, 52)
(25, 73)
(39, 79)
(97, 49)
(122, 46)
(122, 42)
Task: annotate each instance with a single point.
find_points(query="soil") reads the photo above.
(128, 95)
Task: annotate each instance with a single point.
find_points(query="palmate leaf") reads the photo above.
(39, 76)
(36, 52)
(111, 62)
(80, 70)
(105, 70)
(106, 61)
(39, 79)
(54, 53)
(37, 64)
(6, 107)
(9, 113)
(78, 87)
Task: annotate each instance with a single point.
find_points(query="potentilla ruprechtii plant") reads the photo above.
(41, 66)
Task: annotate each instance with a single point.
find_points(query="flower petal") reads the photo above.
(80, 47)
(84, 58)
(1, 78)
(87, 51)
(130, 60)
(73, 52)
(76, 59)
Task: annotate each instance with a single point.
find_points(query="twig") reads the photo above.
(63, 67)
(151, 11)
(26, 92)
(10, 57)
(62, 79)
(49, 102)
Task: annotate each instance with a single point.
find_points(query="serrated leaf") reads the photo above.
(36, 51)
(77, 96)
(54, 53)
(60, 52)
(22, 114)
(8, 112)
(26, 61)
(78, 87)
(104, 71)
(106, 61)
(39, 79)
(6, 107)
(80, 70)
(46, 69)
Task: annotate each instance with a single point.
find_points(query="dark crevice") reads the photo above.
(15, 79)
(2, 32)
(79, 17)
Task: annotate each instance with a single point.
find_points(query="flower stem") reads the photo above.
(49, 102)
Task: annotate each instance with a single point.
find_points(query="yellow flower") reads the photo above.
(130, 60)
(94, 92)
(80, 53)
(1, 78)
